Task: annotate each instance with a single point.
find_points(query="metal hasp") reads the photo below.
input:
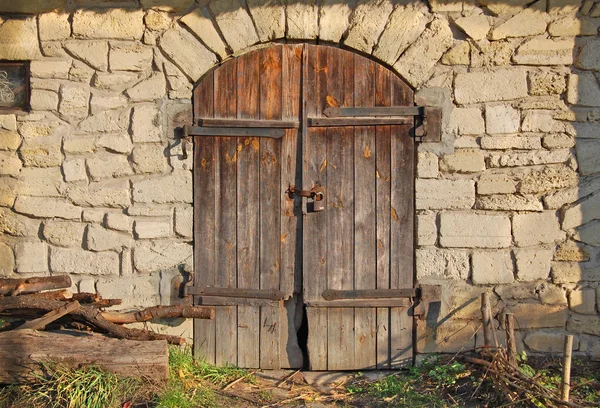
(427, 119)
(317, 193)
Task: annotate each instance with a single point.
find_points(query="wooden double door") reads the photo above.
(263, 256)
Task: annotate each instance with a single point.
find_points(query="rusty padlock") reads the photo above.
(318, 198)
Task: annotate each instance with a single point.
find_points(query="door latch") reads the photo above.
(317, 194)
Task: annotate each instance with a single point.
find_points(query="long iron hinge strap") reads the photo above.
(272, 294)
(233, 131)
(331, 294)
(350, 121)
(343, 112)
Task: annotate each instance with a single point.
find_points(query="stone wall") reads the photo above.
(93, 182)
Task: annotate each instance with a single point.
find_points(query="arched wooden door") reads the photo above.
(262, 252)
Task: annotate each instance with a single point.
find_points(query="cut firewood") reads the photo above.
(159, 312)
(15, 287)
(23, 352)
(62, 294)
(40, 323)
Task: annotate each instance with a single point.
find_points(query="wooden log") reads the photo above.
(565, 386)
(61, 294)
(95, 299)
(511, 345)
(486, 319)
(159, 312)
(15, 287)
(23, 351)
(40, 323)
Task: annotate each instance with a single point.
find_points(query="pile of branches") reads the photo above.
(44, 302)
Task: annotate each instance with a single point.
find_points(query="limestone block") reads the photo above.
(334, 18)
(8, 122)
(588, 156)
(129, 57)
(149, 158)
(42, 152)
(10, 165)
(112, 23)
(572, 252)
(584, 324)
(550, 294)
(560, 7)
(269, 18)
(151, 256)
(545, 51)
(146, 124)
(115, 142)
(463, 161)
(533, 264)
(9, 139)
(496, 184)
(172, 6)
(532, 315)
(19, 40)
(427, 165)
(64, 233)
(444, 194)
(17, 225)
(558, 141)
(572, 272)
(54, 26)
(100, 239)
(405, 25)
(466, 121)
(441, 6)
(190, 56)
(583, 301)
(7, 260)
(184, 221)
(78, 261)
(509, 202)
(43, 100)
(536, 229)
(152, 229)
(235, 24)
(582, 213)
(8, 191)
(107, 121)
(44, 182)
(74, 101)
(302, 19)
(442, 263)
(571, 26)
(110, 193)
(426, 229)
(550, 178)
(150, 210)
(470, 230)
(100, 102)
(74, 170)
(31, 130)
(493, 53)
(450, 336)
(157, 20)
(502, 119)
(79, 144)
(108, 165)
(93, 53)
(47, 208)
(200, 23)
(548, 342)
(491, 268)
(499, 85)
(588, 56)
(50, 69)
(530, 158)
(31, 257)
(510, 142)
(87, 286)
(114, 81)
(460, 54)
(148, 89)
(136, 291)
(93, 215)
(118, 221)
(589, 234)
(527, 23)
(174, 188)
(546, 83)
(475, 26)
(418, 60)
(367, 23)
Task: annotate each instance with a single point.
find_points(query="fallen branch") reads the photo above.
(40, 323)
(14, 287)
(160, 312)
(231, 384)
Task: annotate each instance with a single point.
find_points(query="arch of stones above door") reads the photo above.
(262, 255)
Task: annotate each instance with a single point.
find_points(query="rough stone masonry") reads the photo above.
(92, 183)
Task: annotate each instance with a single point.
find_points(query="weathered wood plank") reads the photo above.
(271, 192)
(226, 206)
(23, 351)
(365, 220)
(204, 217)
(317, 345)
(248, 205)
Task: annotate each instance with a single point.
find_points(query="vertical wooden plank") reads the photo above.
(226, 214)
(204, 218)
(248, 205)
(383, 215)
(340, 216)
(315, 233)
(365, 220)
(402, 226)
(270, 201)
(291, 209)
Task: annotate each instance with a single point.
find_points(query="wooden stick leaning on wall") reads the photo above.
(486, 319)
(511, 346)
(565, 386)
